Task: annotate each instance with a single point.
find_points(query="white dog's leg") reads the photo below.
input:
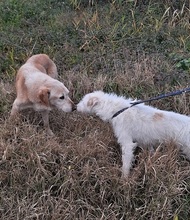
(45, 117)
(127, 157)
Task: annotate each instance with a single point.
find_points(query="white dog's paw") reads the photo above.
(50, 132)
(125, 172)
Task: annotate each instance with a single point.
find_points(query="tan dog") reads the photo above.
(36, 88)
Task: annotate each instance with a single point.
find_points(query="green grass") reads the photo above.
(128, 47)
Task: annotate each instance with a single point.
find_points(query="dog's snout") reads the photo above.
(74, 107)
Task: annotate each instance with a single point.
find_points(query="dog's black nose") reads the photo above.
(74, 108)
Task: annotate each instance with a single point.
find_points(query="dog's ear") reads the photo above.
(92, 102)
(43, 95)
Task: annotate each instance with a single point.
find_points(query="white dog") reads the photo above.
(36, 88)
(139, 124)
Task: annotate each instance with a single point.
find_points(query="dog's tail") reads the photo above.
(52, 70)
(44, 64)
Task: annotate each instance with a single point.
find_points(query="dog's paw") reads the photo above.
(50, 133)
(125, 172)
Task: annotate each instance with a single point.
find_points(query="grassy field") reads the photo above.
(135, 48)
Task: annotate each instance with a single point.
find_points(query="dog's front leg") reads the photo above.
(127, 157)
(45, 117)
(15, 108)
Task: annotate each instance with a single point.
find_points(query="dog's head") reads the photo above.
(103, 105)
(56, 95)
(89, 102)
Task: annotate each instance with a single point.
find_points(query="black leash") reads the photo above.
(120, 111)
(178, 92)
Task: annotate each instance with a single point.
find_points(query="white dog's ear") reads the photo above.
(92, 102)
(43, 95)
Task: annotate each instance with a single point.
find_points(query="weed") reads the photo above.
(184, 64)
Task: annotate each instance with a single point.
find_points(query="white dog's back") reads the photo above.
(148, 125)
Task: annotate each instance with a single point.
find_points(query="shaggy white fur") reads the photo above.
(140, 124)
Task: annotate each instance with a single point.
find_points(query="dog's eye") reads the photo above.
(62, 97)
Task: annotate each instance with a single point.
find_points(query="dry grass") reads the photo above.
(77, 173)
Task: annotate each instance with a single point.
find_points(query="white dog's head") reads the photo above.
(56, 95)
(104, 105)
(97, 103)
(89, 102)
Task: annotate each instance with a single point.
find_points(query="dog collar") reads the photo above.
(119, 112)
(123, 109)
